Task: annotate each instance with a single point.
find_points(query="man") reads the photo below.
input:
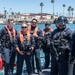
(24, 45)
(73, 52)
(37, 33)
(46, 43)
(7, 37)
(60, 47)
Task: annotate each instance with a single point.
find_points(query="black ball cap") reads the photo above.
(47, 24)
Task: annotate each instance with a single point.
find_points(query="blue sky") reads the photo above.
(33, 6)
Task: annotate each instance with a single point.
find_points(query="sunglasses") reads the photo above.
(33, 22)
(60, 21)
(23, 27)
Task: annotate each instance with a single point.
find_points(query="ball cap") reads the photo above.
(47, 24)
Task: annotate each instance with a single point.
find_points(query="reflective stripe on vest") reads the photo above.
(13, 30)
(35, 30)
(22, 38)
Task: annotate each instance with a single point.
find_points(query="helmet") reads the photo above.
(47, 24)
(62, 19)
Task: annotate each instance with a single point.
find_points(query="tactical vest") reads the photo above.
(60, 43)
(60, 39)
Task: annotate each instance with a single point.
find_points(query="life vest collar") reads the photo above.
(35, 30)
(22, 37)
(9, 32)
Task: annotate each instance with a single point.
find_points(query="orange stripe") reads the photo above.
(35, 30)
(21, 36)
(14, 32)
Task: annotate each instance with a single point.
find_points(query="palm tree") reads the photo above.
(72, 9)
(12, 13)
(5, 13)
(52, 1)
(69, 9)
(41, 4)
(63, 9)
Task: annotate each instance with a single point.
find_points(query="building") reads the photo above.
(42, 18)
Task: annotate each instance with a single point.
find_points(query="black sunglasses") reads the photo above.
(23, 27)
(33, 22)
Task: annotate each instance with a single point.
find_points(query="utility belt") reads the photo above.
(26, 49)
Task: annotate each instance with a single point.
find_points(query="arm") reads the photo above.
(73, 45)
(16, 45)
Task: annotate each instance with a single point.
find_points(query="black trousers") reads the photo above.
(12, 60)
(20, 60)
(59, 66)
(47, 60)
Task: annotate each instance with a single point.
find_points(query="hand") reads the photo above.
(21, 52)
(74, 62)
(28, 53)
(35, 35)
(32, 48)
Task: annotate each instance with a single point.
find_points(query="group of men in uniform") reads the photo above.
(26, 44)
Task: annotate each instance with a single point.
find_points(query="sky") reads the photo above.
(33, 6)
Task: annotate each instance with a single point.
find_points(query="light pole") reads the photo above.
(41, 4)
(52, 1)
(63, 9)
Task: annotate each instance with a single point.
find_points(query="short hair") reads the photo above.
(24, 23)
(34, 19)
(10, 20)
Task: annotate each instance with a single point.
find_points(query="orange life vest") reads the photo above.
(11, 34)
(35, 30)
(21, 36)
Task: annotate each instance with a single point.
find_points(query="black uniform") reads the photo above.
(60, 47)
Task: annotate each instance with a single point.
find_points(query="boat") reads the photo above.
(74, 22)
(1, 22)
(44, 71)
(70, 22)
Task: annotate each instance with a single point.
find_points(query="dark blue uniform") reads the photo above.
(73, 51)
(36, 51)
(25, 48)
(60, 47)
(8, 50)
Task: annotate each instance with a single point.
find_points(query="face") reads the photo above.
(24, 28)
(60, 25)
(33, 23)
(10, 24)
(47, 26)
